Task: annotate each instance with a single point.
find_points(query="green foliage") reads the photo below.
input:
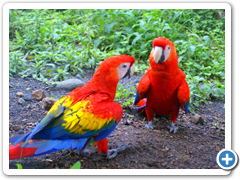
(64, 42)
(77, 165)
(124, 96)
(19, 166)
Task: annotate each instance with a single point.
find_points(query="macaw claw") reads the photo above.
(88, 152)
(112, 153)
(149, 125)
(173, 127)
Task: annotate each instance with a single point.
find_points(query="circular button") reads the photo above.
(227, 159)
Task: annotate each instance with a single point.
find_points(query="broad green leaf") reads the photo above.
(195, 35)
(180, 58)
(142, 23)
(77, 165)
(18, 35)
(207, 39)
(19, 166)
(39, 62)
(67, 53)
(192, 48)
(166, 27)
(97, 42)
(109, 27)
(138, 36)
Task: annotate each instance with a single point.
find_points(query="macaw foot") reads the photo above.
(87, 152)
(173, 127)
(149, 125)
(112, 153)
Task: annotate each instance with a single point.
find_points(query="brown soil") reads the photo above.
(194, 146)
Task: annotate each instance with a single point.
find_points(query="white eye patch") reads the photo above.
(167, 52)
(122, 69)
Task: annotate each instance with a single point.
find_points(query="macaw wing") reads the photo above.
(143, 87)
(183, 95)
(94, 115)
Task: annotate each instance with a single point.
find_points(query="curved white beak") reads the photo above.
(158, 54)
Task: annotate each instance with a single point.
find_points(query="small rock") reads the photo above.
(127, 122)
(153, 164)
(184, 119)
(163, 164)
(20, 94)
(78, 76)
(197, 119)
(38, 94)
(16, 127)
(21, 131)
(48, 102)
(21, 101)
(70, 84)
(27, 97)
(28, 106)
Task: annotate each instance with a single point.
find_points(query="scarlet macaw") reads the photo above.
(163, 88)
(86, 116)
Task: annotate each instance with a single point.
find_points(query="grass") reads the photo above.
(50, 44)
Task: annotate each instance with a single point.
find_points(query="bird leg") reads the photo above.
(173, 127)
(149, 125)
(112, 153)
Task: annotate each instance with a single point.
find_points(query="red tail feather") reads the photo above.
(17, 152)
(141, 105)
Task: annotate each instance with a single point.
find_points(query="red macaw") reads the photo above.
(163, 88)
(86, 116)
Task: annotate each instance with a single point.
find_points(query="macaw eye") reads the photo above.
(124, 66)
(167, 52)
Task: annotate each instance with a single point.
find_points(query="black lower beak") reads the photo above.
(127, 74)
(162, 58)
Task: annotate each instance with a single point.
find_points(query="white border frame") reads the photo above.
(8, 6)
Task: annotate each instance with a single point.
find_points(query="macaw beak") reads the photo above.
(130, 71)
(158, 54)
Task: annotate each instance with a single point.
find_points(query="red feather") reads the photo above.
(164, 84)
(17, 152)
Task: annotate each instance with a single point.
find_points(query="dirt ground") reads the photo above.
(194, 146)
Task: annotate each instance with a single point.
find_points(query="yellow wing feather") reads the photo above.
(79, 118)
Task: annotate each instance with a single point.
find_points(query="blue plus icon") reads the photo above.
(227, 159)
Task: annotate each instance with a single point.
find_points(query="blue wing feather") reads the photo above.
(136, 97)
(105, 133)
(186, 107)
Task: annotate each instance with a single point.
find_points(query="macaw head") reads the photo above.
(112, 69)
(163, 54)
(116, 67)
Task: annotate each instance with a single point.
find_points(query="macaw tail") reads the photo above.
(18, 152)
(41, 147)
(140, 106)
